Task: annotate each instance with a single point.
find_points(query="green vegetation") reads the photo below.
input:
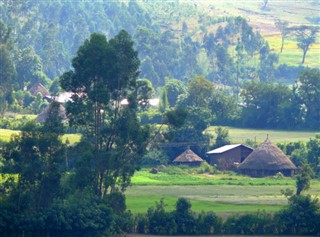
(221, 193)
(241, 135)
(6, 134)
(187, 177)
(248, 64)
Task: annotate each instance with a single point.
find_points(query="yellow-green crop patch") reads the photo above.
(5, 135)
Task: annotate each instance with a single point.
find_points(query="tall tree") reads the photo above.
(104, 73)
(267, 60)
(306, 36)
(7, 69)
(282, 26)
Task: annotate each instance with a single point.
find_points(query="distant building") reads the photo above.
(189, 158)
(41, 118)
(39, 88)
(228, 157)
(267, 160)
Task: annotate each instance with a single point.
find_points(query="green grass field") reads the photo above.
(221, 193)
(237, 135)
(241, 135)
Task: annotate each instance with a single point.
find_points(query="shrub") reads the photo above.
(249, 224)
(300, 217)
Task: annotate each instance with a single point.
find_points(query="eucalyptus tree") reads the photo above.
(282, 26)
(7, 69)
(104, 74)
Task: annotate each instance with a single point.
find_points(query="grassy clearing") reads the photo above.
(241, 135)
(142, 203)
(144, 177)
(291, 54)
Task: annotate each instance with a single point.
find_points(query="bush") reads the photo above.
(150, 117)
(154, 158)
(209, 223)
(300, 217)
(249, 224)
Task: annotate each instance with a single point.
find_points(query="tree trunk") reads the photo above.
(304, 55)
(282, 43)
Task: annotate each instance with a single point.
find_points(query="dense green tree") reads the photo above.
(7, 77)
(303, 178)
(27, 65)
(161, 222)
(225, 73)
(300, 217)
(186, 223)
(313, 157)
(145, 91)
(174, 88)
(267, 69)
(269, 105)
(222, 137)
(36, 155)
(307, 90)
(104, 73)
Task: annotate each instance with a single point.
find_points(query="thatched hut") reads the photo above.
(267, 160)
(45, 113)
(39, 88)
(188, 157)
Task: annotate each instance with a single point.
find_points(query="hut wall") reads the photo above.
(228, 159)
(264, 173)
(190, 164)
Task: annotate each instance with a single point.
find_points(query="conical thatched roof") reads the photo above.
(267, 157)
(39, 88)
(45, 113)
(188, 156)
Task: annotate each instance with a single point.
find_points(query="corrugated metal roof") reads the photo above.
(225, 148)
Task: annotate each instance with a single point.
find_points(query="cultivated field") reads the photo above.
(221, 193)
(237, 135)
(263, 20)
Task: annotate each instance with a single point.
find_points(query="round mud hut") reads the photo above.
(188, 157)
(41, 118)
(267, 160)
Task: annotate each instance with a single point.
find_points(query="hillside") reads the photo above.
(175, 39)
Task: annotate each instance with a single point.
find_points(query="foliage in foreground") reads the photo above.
(300, 217)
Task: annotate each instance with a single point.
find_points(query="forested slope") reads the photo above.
(175, 39)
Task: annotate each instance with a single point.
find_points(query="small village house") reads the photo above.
(189, 158)
(229, 156)
(267, 160)
(39, 88)
(41, 118)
